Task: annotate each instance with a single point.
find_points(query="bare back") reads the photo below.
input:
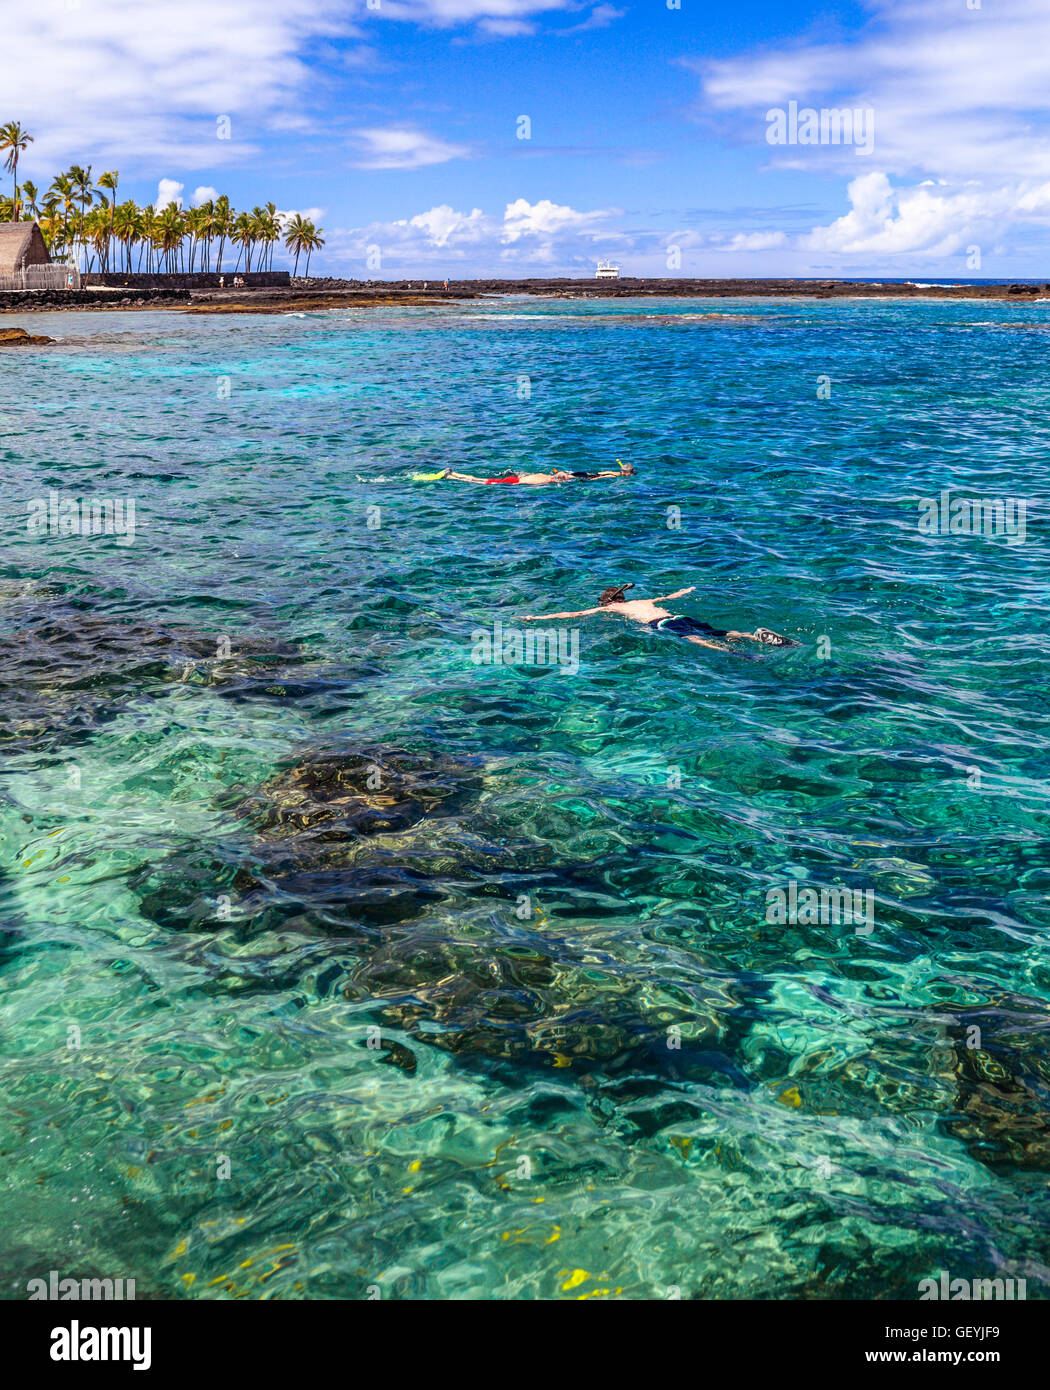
(639, 610)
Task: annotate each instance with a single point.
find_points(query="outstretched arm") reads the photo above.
(539, 617)
(678, 593)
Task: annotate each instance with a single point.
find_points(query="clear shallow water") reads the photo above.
(534, 896)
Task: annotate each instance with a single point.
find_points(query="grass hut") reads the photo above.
(21, 244)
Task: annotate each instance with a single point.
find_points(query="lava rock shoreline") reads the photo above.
(314, 294)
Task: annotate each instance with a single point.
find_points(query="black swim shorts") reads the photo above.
(686, 627)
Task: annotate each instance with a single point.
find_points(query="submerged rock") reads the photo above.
(1002, 1110)
(389, 855)
(343, 795)
(325, 851)
(532, 1001)
(65, 669)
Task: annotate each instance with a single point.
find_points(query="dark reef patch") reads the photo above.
(336, 796)
(381, 852)
(1002, 1110)
(66, 668)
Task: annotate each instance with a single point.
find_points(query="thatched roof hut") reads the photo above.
(21, 243)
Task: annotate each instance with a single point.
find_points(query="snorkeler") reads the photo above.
(648, 612)
(556, 475)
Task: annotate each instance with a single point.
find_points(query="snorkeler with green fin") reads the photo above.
(648, 612)
(556, 475)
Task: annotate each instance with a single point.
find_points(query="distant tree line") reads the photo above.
(82, 221)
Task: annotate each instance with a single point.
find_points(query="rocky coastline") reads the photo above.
(303, 295)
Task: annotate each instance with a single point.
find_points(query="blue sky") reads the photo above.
(397, 127)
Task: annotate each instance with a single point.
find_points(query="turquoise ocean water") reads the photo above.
(334, 960)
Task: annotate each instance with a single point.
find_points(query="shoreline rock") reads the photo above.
(317, 293)
(18, 337)
(87, 300)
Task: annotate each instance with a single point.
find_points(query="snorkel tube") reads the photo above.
(614, 594)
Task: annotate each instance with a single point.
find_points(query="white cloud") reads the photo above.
(168, 191)
(956, 92)
(204, 194)
(599, 18)
(506, 28)
(285, 216)
(140, 89)
(755, 241)
(137, 91)
(962, 122)
(884, 221)
(541, 238)
(443, 240)
(444, 225)
(446, 13)
(399, 147)
(547, 219)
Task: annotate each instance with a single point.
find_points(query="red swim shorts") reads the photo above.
(510, 478)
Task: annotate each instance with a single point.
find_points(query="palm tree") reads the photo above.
(126, 224)
(199, 224)
(314, 242)
(96, 234)
(50, 227)
(61, 191)
(147, 234)
(14, 139)
(272, 237)
(81, 180)
(171, 228)
(207, 231)
(261, 227)
(297, 236)
(32, 193)
(243, 235)
(80, 219)
(83, 188)
(192, 222)
(110, 180)
(223, 225)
